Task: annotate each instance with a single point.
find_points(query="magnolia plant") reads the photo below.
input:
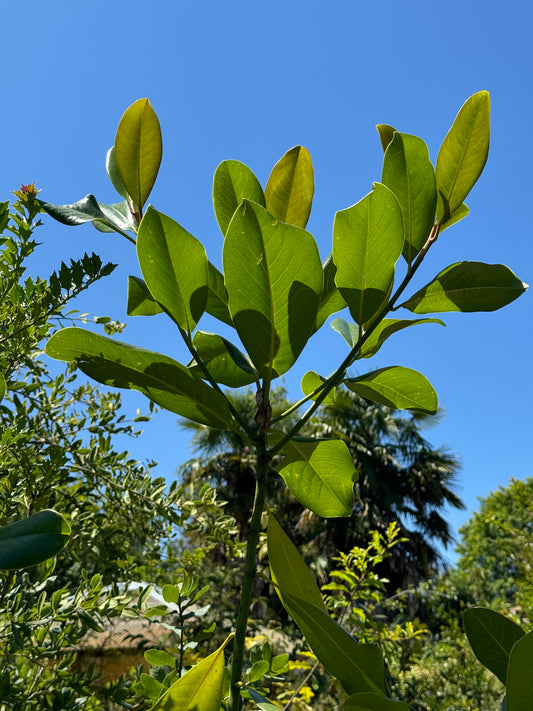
(274, 293)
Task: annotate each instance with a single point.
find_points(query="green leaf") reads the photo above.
(160, 378)
(368, 701)
(119, 216)
(491, 637)
(258, 670)
(367, 241)
(233, 182)
(331, 299)
(408, 172)
(2, 386)
(520, 675)
(85, 210)
(261, 702)
(349, 331)
(159, 658)
(217, 296)
(386, 134)
(358, 667)
(200, 689)
(114, 173)
(140, 300)
(274, 279)
(138, 151)
(174, 266)
(290, 187)
(463, 154)
(279, 663)
(386, 328)
(32, 540)
(225, 362)
(151, 687)
(397, 387)
(320, 474)
(467, 286)
(311, 381)
(459, 214)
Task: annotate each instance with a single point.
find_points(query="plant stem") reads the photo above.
(263, 466)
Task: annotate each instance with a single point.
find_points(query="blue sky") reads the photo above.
(249, 80)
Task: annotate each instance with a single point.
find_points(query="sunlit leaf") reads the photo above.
(459, 214)
(349, 331)
(311, 382)
(396, 387)
(224, 361)
(520, 674)
(88, 210)
(32, 540)
(386, 134)
(114, 173)
(140, 300)
(386, 328)
(290, 187)
(232, 183)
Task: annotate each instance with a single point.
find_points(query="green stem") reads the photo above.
(263, 465)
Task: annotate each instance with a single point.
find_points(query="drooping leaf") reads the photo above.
(140, 300)
(467, 286)
(290, 187)
(386, 134)
(491, 637)
(138, 150)
(311, 382)
(85, 210)
(32, 540)
(331, 299)
(408, 172)
(114, 173)
(160, 378)
(397, 387)
(174, 266)
(274, 279)
(463, 154)
(358, 667)
(225, 362)
(320, 474)
(349, 331)
(368, 701)
(233, 181)
(200, 689)
(459, 214)
(367, 241)
(386, 328)
(520, 674)
(217, 296)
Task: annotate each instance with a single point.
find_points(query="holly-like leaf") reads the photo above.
(140, 300)
(290, 187)
(274, 279)
(233, 181)
(386, 328)
(160, 378)
(467, 286)
(311, 381)
(32, 540)
(367, 241)
(138, 151)
(224, 361)
(396, 387)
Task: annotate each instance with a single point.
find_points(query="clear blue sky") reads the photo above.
(248, 80)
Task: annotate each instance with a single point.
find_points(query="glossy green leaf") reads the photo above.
(290, 187)
(349, 331)
(397, 387)
(258, 670)
(174, 266)
(408, 172)
(119, 216)
(200, 689)
(386, 134)
(331, 299)
(86, 210)
(367, 241)
(520, 675)
(32, 540)
(217, 296)
(358, 667)
(225, 362)
(138, 150)
(233, 181)
(160, 378)
(2, 386)
(491, 637)
(274, 279)
(386, 328)
(114, 173)
(159, 658)
(140, 300)
(320, 474)
(463, 154)
(459, 214)
(311, 382)
(467, 286)
(368, 701)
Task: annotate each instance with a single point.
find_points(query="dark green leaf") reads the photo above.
(385, 330)
(397, 387)
(174, 266)
(331, 299)
(233, 182)
(2, 386)
(386, 134)
(463, 154)
(467, 286)
(520, 675)
(32, 540)
(114, 173)
(311, 381)
(367, 701)
(274, 279)
(491, 637)
(367, 241)
(140, 300)
(290, 187)
(224, 361)
(160, 378)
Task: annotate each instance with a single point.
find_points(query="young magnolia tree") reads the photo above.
(275, 293)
